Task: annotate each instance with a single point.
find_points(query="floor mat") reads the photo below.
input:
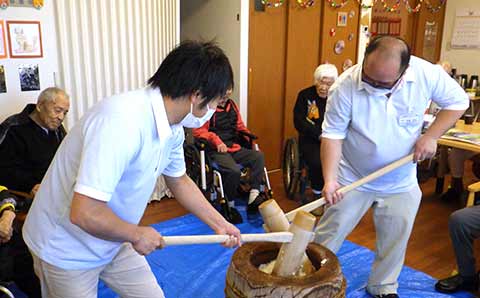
(198, 271)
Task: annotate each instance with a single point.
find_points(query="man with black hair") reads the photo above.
(373, 117)
(16, 263)
(83, 223)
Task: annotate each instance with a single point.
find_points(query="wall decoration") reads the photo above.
(332, 32)
(24, 39)
(3, 85)
(434, 9)
(410, 9)
(339, 47)
(351, 36)
(351, 14)
(366, 6)
(334, 4)
(342, 19)
(347, 64)
(276, 3)
(393, 8)
(25, 3)
(4, 4)
(3, 42)
(29, 78)
(305, 3)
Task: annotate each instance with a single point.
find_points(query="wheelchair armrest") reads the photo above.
(202, 144)
(472, 189)
(251, 136)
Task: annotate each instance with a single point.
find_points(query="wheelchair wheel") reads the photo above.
(192, 163)
(291, 167)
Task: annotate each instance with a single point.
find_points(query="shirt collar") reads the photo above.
(158, 107)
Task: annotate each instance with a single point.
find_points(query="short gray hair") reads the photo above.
(51, 93)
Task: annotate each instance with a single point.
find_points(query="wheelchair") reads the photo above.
(4, 291)
(295, 172)
(206, 175)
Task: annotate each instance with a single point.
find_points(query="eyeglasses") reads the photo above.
(379, 84)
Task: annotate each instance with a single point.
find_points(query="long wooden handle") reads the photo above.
(208, 239)
(320, 202)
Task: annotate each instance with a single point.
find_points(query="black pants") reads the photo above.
(310, 154)
(464, 227)
(228, 167)
(17, 264)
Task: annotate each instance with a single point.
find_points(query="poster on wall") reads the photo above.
(29, 78)
(3, 42)
(24, 39)
(3, 85)
(342, 19)
(430, 41)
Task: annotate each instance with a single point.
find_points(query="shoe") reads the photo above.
(235, 217)
(456, 283)
(391, 295)
(252, 208)
(452, 195)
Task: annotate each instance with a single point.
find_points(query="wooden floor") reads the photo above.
(429, 248)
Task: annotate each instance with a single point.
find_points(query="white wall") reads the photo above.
(464, 60)
(217, 19)
(14, 100)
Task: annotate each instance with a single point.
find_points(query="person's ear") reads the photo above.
(196, 98)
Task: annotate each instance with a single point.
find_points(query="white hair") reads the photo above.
(51, 93)
(325, 70)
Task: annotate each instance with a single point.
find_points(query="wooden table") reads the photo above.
(446, 143)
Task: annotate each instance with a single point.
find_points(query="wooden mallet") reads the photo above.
(209, 239)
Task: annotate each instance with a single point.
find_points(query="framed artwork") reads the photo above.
(3, 42)
(3, 85)
(29, 77)
(24, 39)
(342, 19)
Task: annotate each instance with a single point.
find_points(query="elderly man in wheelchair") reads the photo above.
(229, 147)
(304, 156)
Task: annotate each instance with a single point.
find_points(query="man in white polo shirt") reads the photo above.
(83, 224)
(373, 117)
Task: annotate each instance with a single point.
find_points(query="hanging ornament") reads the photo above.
(334, 4)
(394, 8)
(410, 9)
(305, 3)
(366, 6)
(332, 32)
(4, 4)
(351, 14)
(434, 9)
(351, 36)
(347, 64)
(339, 46)
(276, 3)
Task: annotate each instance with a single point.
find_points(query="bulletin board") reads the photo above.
(466, 31)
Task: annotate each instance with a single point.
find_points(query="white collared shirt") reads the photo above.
(377, 130)
(114, 154)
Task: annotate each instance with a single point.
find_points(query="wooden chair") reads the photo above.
(472, 189)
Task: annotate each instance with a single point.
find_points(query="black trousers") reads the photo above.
(17, 266)
(228, 167)
(310, 154)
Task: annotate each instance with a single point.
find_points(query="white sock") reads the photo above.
(253, 195)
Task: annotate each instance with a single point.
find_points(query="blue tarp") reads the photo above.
(198, 271)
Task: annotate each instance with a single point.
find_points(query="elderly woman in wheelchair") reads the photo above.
(302, 158)
(232, 159)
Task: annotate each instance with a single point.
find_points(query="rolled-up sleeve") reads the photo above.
(338, 114)
(446, 92)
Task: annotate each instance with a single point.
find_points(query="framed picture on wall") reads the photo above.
(3, 42)
(342, 19)
(24, 39)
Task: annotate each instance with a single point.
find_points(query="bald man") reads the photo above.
(374, 117)
(308, 117)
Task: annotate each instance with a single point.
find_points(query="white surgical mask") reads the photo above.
(191, 121)
(376, 91)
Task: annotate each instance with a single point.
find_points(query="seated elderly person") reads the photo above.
(308, 117)
(223, 133)
(464, 228)
(29, 140)
(16, 263)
